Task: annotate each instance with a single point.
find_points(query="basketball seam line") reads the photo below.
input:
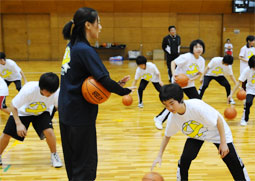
(98, 88)
(90, 95)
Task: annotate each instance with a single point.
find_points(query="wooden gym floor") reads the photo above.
(128, 141)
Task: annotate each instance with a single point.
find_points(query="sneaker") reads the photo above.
(1, 160)
(140, 105)
(55, 160)
(158, 123)
(243, 122)
(231, 101)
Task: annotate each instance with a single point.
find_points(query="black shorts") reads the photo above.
(40, 123)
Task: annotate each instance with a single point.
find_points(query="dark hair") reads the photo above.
(49, 81)
(171, 91)
(194, 43)
(2, 55)
(81, 16)
(228, 59)
(228, 39)
(249, 38)
(141, 60)
(170, 27)
(251, 62)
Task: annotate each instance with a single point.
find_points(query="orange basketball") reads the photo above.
(127, 100)
(230, 113)
(152, 176)
(241, 94)
(94, 92)
(182, 80)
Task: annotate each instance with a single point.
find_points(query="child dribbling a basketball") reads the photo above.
(248, 75)
(200, 122)
(148, 72)
(191, 64)
(216, 69)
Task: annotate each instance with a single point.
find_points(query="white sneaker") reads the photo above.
(56, 162)
(158, 123)
(231, 101)
(140, 105)
(1, 160)
(243, 122)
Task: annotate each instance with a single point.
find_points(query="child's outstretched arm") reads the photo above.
(223, 148)
(161, 151)
(202, 77)
(234, 89)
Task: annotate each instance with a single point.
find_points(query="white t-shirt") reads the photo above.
(29, 100)
(227, 45)
(249, 75)
(3, 88)
(10, 71)
(217, 68)
(189, 65)
(246, 53)
(151, 73)
(199, 122)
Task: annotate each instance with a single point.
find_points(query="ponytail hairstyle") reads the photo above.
(78, 32)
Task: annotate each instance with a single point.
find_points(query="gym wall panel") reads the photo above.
(15, 36)
(1, 38)
(106, 35)
(106, 20)
(39, 37)
(157, 20)
(152, 35)
(127, 35)
(188, 28)
(210, 27)
(155, 6)
(128, 20)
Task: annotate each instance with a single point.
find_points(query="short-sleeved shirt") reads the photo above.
(198, 123)
(189, 65)
(217, 68)
(151, 73)
(80, 61)
(249, 75)
(3, 88)
(10, 71)
(228, 46)
(30, 102)
(246, 53)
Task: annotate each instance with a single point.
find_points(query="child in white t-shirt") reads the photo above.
(3, 93)
(192, 64)
(248, 76)
(11, 72)
(33, 104)
(216, 69)
(246, 52)
(228, 48)
(148, 72)
(200, 122)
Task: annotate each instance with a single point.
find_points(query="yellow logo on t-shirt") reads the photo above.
(36, 108)
(193, 129)
(217, 71)
(6, 73)
(250, 54)
(193, 69)
(253, 79)
(65, 62)
(147, 76)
